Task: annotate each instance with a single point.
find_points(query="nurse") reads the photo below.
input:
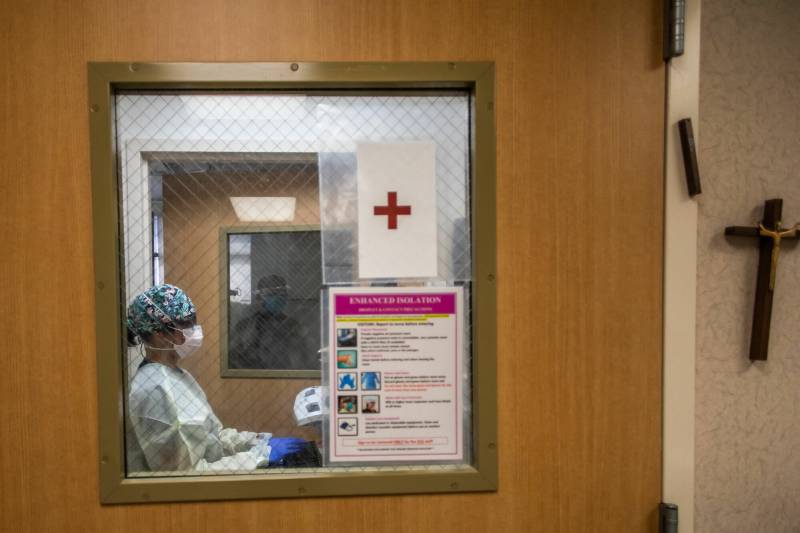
(172, 426)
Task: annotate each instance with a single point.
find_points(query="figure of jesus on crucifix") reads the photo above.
(776, 235)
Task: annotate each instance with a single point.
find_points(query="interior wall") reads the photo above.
(195, 208)
(579, 112)
(747, 414)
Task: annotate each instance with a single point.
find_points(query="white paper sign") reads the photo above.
(397, 210)
(396, 394)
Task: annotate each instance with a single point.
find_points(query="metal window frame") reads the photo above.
(104, 79)
(224, 275)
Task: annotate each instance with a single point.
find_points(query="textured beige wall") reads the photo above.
(748, 415)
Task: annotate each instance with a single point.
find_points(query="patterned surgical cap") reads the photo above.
(158, 307)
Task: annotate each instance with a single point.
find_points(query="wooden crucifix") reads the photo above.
(769, 233)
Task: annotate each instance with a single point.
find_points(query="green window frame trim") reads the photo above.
(105, 79)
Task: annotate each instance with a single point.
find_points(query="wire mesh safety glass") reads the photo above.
(247, 203)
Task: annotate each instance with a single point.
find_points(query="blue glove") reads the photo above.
(283, 446)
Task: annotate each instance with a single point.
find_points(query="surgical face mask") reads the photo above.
(274, 303)
(193, 339)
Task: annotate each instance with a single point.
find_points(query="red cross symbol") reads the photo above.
(392, 210)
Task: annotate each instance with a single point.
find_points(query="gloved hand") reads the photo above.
(283, 446)
(261, 449)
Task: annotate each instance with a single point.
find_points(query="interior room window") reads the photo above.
(158, 245)
(240, 223)
(273, 308)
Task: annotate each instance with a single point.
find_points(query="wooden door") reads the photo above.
(579, 107)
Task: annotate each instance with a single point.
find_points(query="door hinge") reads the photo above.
(667, 518)
(674, 28)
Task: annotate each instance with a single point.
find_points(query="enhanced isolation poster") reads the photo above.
(395, 374)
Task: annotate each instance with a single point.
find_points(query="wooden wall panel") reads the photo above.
(579, 111)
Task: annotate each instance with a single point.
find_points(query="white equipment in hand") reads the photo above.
(311, 405)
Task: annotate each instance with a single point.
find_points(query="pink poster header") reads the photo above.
(395, 304)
